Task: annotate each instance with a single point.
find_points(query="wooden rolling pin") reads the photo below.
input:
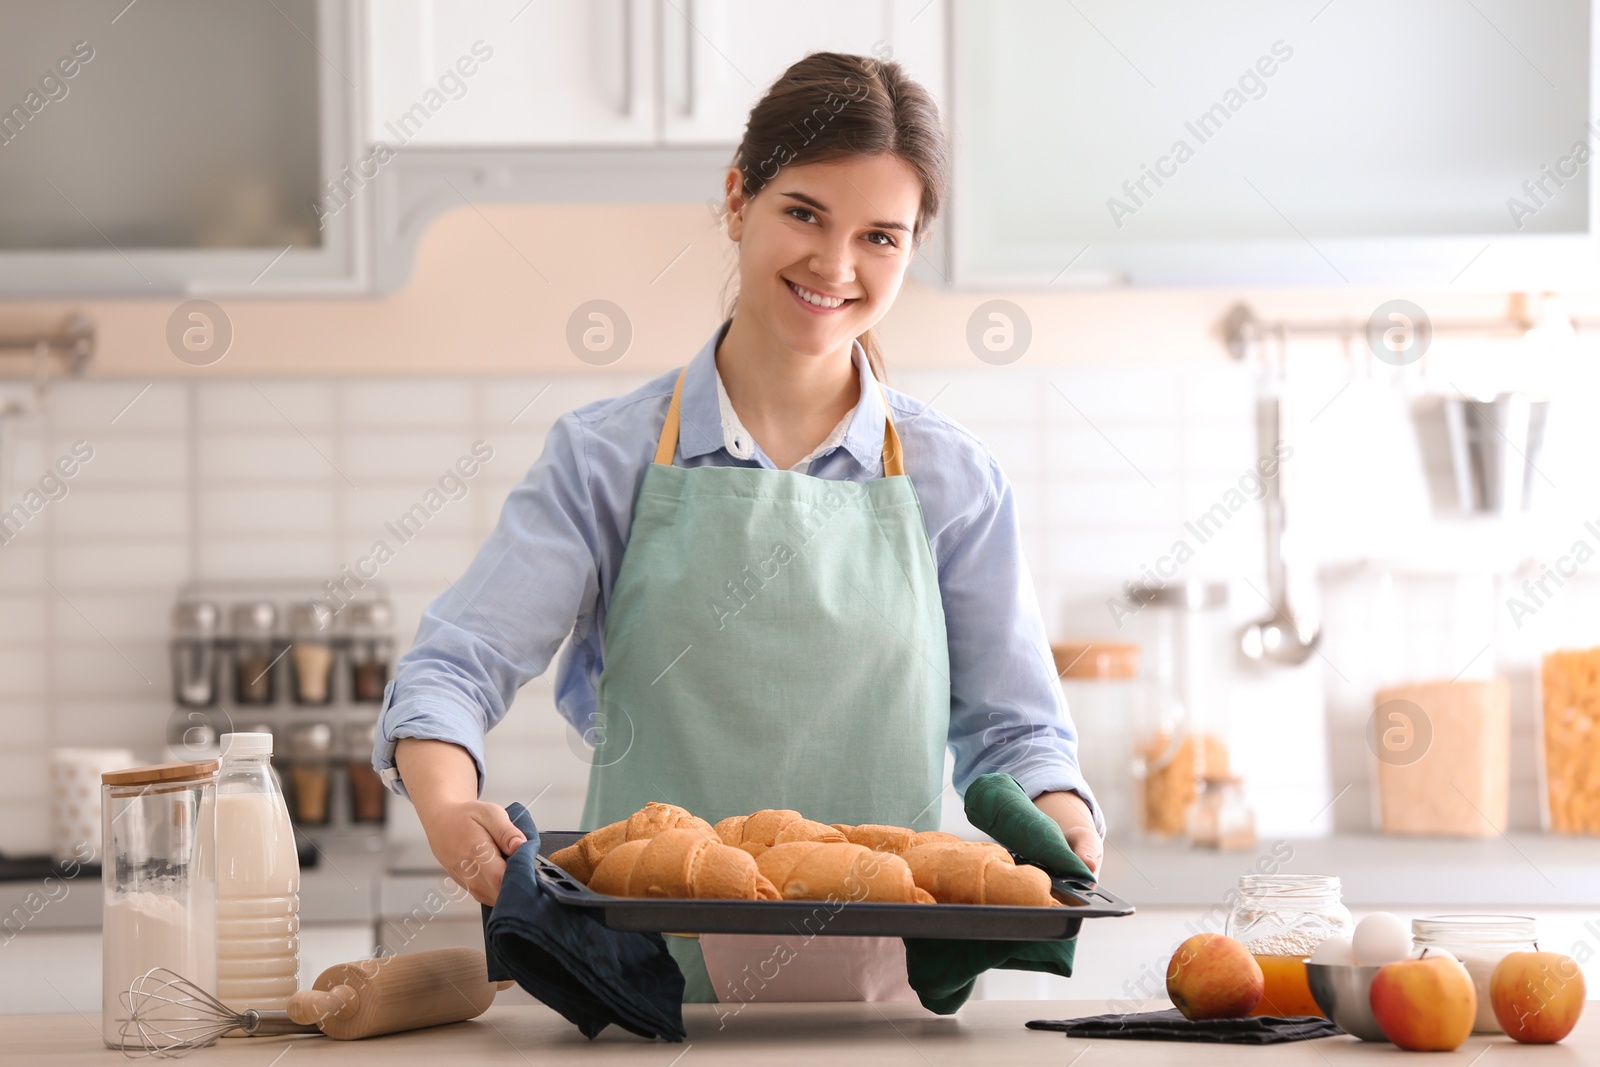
(393, 993)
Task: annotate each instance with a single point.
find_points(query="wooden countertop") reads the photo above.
(883, 1035)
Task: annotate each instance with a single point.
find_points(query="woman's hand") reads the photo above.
(1077, 823)
(469, 837)
(471, 840)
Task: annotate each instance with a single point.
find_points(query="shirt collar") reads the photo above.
(701, 416)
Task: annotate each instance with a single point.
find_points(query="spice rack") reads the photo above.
(309, 669)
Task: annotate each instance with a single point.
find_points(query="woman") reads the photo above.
(787, 586)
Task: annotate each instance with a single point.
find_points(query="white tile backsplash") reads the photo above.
(293, 479)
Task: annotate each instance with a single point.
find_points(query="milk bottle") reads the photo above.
(258, 880)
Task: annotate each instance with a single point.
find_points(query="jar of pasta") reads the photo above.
(1569, 749)
(1281, 919)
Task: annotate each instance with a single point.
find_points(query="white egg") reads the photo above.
(1339, 951)
(1381, 938)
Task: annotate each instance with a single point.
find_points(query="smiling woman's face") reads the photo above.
(829, 231)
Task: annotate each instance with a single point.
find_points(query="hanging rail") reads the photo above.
(1241, 328)
(71, 346)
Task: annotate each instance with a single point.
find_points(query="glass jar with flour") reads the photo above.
(159, 880)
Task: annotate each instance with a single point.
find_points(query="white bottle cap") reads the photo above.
(259, 744)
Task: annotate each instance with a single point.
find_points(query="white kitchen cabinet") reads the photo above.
(48, 972)
(719, 56)
(188, 149)
(1424, 144)
(583, 73)
(511, 72)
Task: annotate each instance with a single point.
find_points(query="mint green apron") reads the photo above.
(773, 640)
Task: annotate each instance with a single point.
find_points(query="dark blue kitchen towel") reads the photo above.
(559, 953)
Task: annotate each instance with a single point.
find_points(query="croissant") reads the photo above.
(679, 863)
(761, 830)
(976, 872)
(896, 839)
(838, 870)
(580, 858)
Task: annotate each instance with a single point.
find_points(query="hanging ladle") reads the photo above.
(1283, 638)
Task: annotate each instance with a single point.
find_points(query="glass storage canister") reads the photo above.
(1569, 741)
(196, 625)
(159, 882)
(371, 648)
(253, 655)
(311, 652)
(368, 794)
(1182, 735)
(1281, 919)
(1105, 697)
(310, 760)
(1480, 942)
(1221, 818)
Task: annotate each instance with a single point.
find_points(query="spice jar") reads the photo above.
(253, 655)
(1480, 942)
(368, 795)
(371, 648)
(159, 883)
(196, 625)
(1281, 919)
(1181, 737)
(310, 753)
(310, 652)
(1105, 698)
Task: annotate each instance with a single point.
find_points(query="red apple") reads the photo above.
(1425, 1004)
(1537, 996)
(1214, 977)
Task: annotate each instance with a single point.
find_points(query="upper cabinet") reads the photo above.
(1423, 144)
(719, 56)
(475, 73)
(178, 147)
(583, 73)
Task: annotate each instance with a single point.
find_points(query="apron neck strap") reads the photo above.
(893, 457)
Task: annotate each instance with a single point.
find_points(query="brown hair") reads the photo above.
(831, 106)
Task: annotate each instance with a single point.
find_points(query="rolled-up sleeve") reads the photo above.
(502, 622)
(1006, 708)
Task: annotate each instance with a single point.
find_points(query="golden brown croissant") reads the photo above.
(681, 863)
(759, 831)
(878, 837)
(838, 870)
(896, 839)
(976, 872)
(580, 858)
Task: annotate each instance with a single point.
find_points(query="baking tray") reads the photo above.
(806, 918)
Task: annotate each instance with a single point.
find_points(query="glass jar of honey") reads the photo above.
(1281, 919)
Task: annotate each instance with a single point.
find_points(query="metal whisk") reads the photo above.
(168, 1016)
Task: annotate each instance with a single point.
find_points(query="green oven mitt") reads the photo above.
(943, 971)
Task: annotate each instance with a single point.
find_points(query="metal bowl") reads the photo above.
(1342, 992)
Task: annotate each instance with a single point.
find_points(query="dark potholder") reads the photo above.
(591, 974)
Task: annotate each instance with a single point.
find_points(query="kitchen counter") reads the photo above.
(1375, 870)
(885, 1035)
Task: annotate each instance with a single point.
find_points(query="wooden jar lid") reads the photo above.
(162, 774)
(1096, 660)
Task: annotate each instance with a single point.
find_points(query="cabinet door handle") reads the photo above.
(626, 108)
(688, 59)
